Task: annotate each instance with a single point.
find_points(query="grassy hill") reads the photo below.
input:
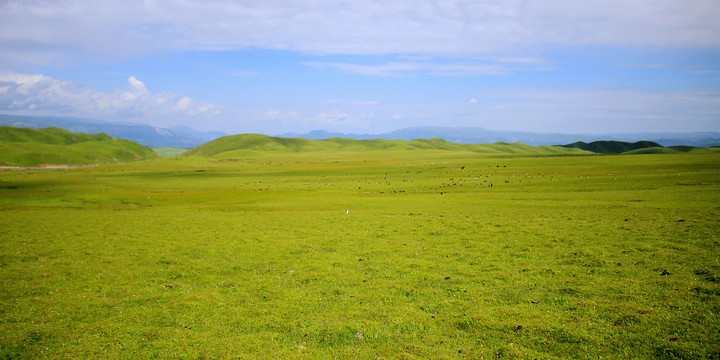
(243, 145)
(640, 147)
(612, 147)
(27, 147)
(674, 150)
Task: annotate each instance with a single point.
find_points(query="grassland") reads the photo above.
(404, 254)
(167, 152)
(245, 145)
(30, 147)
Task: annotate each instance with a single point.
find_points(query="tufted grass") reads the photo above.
(395, 255)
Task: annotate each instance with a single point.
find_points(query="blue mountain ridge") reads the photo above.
(186, 137)
(477, 135)
(147, 135)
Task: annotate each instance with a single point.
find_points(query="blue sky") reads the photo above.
(367, 66)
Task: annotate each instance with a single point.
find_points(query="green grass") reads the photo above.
(409, 254)
(675, 150)
(51, 136)
(28, 147)
(244, 145)
(169, 152)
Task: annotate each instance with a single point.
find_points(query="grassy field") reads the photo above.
(167, 152)
(411, 254)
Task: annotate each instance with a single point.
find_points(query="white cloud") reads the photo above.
(279, 121)
(48, 31)
(183, 104)
(400, 68)
(443, 67)
(273, 114)
(472, 66)
(137, 86)
(332, 118)
(702, 72)
(205, 108)
(33, 93)
(137, 90)
(341, 120)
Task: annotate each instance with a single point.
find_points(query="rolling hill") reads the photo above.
(255, 144)
(639, 147)
(176, 137)
(674, 150)
(28, 147)
(612, 147)
(186, 138)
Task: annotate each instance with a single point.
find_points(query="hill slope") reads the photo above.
(178, 137)
(27, 147)
(674, 150)
(612, 147)
(640, 147)
(255, 144)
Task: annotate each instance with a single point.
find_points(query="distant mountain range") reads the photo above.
(185, 137)
(176, 137)
(476, 135)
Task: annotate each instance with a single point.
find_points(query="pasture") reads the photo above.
(412, 254)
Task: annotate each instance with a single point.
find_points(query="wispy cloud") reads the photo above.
(94, 28)
(442, 66)
(291, 120)
(400, 68)
(448, 43)
(341, 119)
(597, 110)
(644, 66)
(702, 72)
(38, 93)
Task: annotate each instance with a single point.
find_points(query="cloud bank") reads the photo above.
(478, 67)
(39, 31)
(20, 93)
(511, 64)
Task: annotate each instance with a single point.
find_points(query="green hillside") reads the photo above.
(612, 147)
(28, 147)
(640, 147)
(674, 150)
(237, 146)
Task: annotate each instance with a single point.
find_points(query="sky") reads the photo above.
(366, 67)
